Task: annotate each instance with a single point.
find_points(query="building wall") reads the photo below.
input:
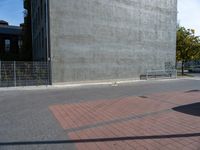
(111, 39)
(13, 35)
(14, 51)
(39, 30)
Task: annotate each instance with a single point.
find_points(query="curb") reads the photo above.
(79, 85)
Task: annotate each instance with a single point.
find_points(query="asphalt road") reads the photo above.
(24, 115)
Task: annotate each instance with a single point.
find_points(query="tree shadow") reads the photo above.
(112, 139)
(191, 109)
(192, 91)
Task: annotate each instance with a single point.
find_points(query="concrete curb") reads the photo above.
(94, 84)
(66, 85)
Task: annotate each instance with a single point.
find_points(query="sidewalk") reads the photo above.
(167, 121)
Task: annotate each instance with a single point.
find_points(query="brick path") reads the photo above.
(150, 122)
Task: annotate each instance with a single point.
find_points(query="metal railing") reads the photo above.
(24, 73)
(189, 67)
(161, 74)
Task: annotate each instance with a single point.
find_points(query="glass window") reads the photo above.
(7, 45)
(42, 37)
(20, 44)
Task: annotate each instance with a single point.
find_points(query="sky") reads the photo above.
(12, 11)
(188, 13)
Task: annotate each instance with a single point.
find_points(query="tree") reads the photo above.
(188, 46)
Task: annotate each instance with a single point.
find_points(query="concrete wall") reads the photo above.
(110, 39)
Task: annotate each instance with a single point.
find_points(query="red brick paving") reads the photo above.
(157, 125)
(82, 114)
(177, 97)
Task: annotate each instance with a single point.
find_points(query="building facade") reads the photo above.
(10, 41)
(39, 29)
(90, 40)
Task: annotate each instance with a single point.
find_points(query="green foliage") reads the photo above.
(188, 46)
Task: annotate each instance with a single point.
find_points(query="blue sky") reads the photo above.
(188, 13)
(11, 11)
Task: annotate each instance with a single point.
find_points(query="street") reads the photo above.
(30, 119)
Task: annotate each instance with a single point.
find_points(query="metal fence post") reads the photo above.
(15, 82)
(49, 71)
(176, 74)
(0, 73)
(147, 75)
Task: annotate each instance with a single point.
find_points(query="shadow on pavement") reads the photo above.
(191, 109)
(100, 139)
(192, 91)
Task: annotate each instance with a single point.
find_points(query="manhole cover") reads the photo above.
(143, 96)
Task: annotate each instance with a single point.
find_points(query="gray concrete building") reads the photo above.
(91, 40)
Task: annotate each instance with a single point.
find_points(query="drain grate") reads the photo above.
(143, 96)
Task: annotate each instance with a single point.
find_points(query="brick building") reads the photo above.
(10, 41)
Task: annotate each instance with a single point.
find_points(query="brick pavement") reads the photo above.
(147, 122)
